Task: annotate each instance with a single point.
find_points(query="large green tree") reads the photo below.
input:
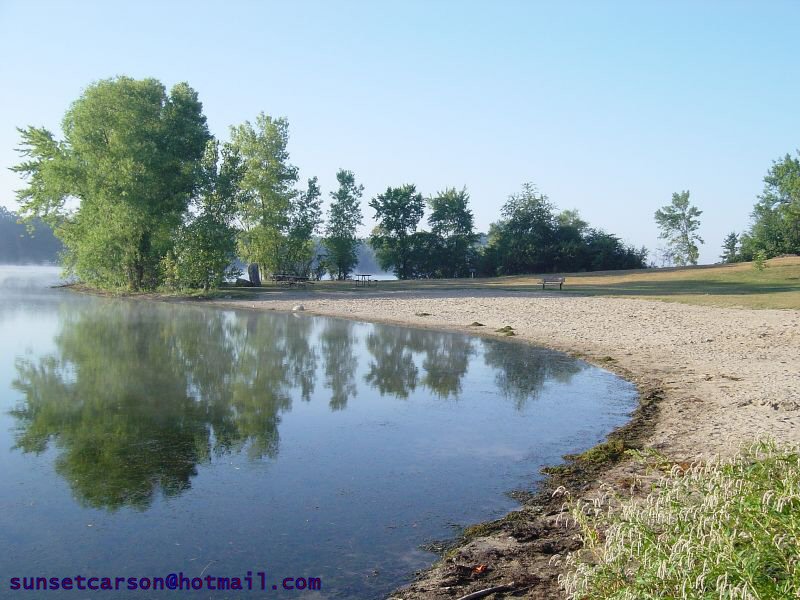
(452, 221)
(344, 217)
(305, 218)
(205, 246)
(531, 238)
(523, 241)
(268, 186)
(118, 184)
(776, 215)
(398, 212)
(679, 222)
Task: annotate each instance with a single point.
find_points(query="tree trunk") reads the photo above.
(253, 274)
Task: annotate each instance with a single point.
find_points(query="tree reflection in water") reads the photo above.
(136, 395)
(338, 350)
(522, 371)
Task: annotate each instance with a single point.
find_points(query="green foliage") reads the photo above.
(524, 238)
(679, 222)
(205, 247)
(725, 529)
(398, 211)
(344, 217)
(760, 260)
(453, 223)
(130, 158)
(268, 190)
(730, 248)
(531, 238)
(776, 215)
(305, 218)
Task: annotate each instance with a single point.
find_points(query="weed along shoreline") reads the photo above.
(710, 378)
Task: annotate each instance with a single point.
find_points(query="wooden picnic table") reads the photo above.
(363, 279)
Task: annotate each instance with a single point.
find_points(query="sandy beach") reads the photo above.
(724, 376)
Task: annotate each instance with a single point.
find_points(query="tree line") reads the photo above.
(775, 226)
(33, 243)
(774, 229)
(142, 196)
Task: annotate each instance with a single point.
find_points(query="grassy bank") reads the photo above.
(725, 529)
(777, 286)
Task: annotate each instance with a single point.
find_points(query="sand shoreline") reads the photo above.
(724, 376)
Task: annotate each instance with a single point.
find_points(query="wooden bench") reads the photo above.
(553, 281)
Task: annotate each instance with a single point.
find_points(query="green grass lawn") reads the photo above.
(777, 286)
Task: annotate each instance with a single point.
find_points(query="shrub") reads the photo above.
(760, 260)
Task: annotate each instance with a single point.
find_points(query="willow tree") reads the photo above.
(268, 186)
(118, 184)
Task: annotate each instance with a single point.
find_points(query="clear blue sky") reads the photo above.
(607, 107)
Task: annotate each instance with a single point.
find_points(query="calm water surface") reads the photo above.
(141, 438)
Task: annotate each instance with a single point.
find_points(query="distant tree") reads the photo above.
(572, 252)
(305, 218)
(130, 158)
(679, 222)
(452, 221)
(205, 246)
(344, 217)
(22, 243)
(776, 215)
(605, 251)
(532, 238)
(268, 184)
(730, 248)
(398, 212)
(427, 251)
(523, 241)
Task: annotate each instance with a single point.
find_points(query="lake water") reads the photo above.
(139, 439)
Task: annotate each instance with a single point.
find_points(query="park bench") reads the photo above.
(553, 281)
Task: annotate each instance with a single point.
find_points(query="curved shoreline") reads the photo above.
(709, 379)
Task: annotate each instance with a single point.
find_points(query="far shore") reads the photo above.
(721, 377)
